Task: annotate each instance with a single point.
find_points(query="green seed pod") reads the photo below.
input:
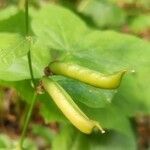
(86, 75)
(69, 108)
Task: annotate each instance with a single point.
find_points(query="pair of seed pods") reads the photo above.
(63, 100)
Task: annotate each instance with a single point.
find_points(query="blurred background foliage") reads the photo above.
(127, 16)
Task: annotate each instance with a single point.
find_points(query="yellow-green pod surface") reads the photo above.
(86, 75)
(68, 107)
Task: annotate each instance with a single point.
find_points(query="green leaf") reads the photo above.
(109, 117)
(110, 51)
(60, 29)
(24, 88)
(19, 69)
(44, 132)
(112, 140)
(86, 94)
(103, 14)
(12, 46)
(7, 12)
(12, 21)
(140, 24)
(70, 139)
(106, 52)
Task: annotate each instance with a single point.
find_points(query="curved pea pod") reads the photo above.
(68, 107)
(86, 75)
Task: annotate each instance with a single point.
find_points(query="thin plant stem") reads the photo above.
(30, 68)
(28, 116)
(27, 34)
(27, 17)
(29, 112)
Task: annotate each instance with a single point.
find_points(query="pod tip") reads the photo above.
(103, 131)
(99, 127)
